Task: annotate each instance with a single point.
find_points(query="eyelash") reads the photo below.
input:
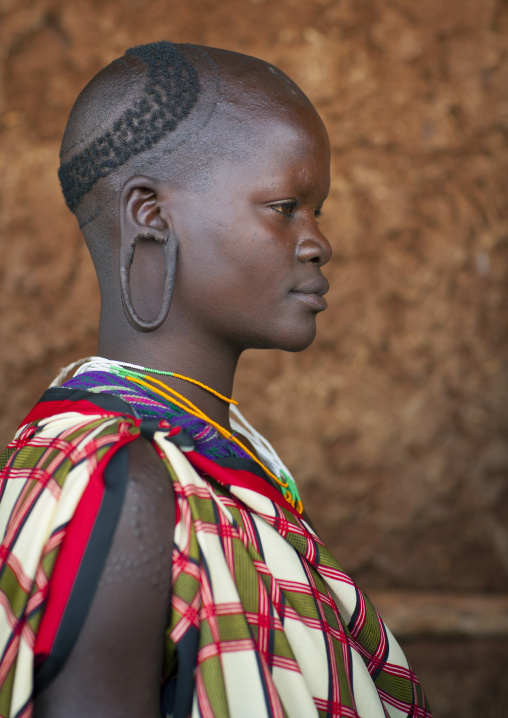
(285, 208)
(289, 207)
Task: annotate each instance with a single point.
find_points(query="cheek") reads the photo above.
(240, 261)
(246, 267)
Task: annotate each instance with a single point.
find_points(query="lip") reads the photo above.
(311, 294)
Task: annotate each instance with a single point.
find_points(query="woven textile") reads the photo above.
(277, 627)
(264, 622)
(148, 405)
(50, 469)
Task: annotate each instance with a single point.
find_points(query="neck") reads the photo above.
(211, 366)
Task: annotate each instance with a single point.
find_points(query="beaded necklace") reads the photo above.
(143, 379)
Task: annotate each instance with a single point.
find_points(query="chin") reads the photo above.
(297, 347)
(292, 338)
(299, 340)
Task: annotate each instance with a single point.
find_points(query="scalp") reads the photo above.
(140, 112)
(125, 110)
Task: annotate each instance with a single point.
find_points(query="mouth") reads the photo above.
(312, 293)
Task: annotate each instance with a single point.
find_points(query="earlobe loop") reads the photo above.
(170, 248)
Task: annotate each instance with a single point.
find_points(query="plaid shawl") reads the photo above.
(264, 621)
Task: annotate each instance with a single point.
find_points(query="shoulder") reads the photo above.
(148, 516)
(128, 616)
(145, 465)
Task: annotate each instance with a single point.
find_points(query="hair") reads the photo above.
(168, 96)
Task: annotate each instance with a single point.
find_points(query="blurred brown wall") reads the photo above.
(395, 421)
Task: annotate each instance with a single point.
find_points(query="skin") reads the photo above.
(248, 275)
(246, 244)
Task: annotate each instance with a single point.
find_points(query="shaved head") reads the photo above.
(145, 105)
(169, 90)
(168, 112)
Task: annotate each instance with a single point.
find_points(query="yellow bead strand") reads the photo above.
(192, 409)
(123, 371)
(205, 387)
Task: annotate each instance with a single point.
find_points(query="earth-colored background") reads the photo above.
(395, 421)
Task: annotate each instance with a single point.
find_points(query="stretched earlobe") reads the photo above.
(170, 249)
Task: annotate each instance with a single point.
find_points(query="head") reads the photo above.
(187, 167)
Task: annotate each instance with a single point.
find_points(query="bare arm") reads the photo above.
(115, 666)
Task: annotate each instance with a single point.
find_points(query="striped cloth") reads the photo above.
(264, 621)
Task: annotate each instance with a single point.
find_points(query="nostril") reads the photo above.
(312, 249)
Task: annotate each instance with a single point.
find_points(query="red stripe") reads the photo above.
(46, 409)
(241, 478)
(72, 551)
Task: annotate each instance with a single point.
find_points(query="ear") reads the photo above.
(140, 206)
(144, 231)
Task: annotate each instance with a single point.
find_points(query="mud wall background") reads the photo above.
(395, 421)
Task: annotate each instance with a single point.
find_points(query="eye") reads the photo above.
(318, 212)
(285, 208)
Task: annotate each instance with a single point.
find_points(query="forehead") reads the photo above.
(292, 151)
(245, 126)
(273, 159)
(254, 133)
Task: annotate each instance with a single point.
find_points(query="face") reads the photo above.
(250, 247)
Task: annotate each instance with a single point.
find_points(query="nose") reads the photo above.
(314, 247)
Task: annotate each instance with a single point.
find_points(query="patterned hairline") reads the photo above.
(171, 91)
